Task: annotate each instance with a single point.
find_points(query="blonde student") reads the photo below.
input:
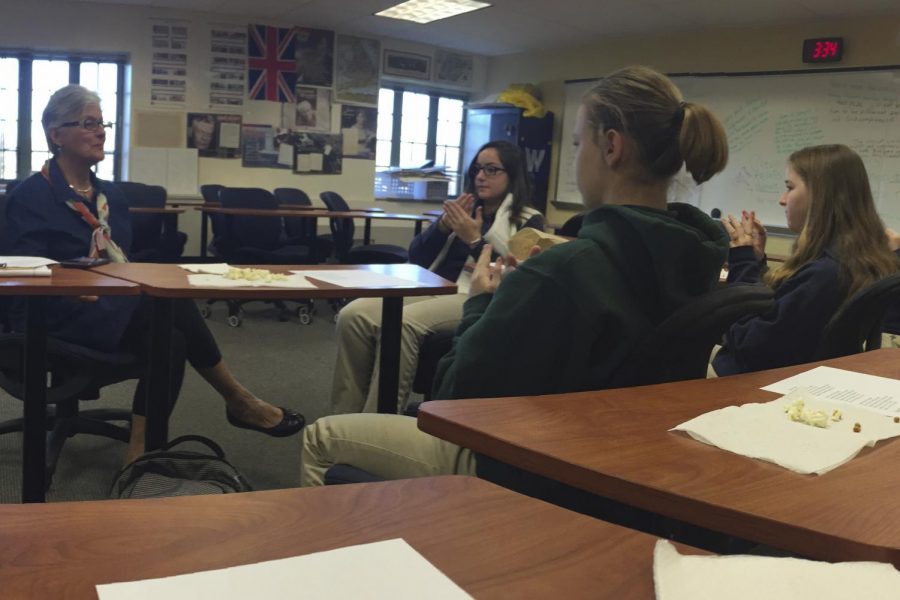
(565, 319)
(841, 248)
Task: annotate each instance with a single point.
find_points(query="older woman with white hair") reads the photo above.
(65, 212)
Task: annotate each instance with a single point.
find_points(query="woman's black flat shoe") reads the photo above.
(291, 423)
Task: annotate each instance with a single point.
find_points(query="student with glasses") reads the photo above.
(66, 212)
(492, 209)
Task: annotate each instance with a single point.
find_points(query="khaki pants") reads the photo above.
(390, 446)
(890, 340)
(355, 385)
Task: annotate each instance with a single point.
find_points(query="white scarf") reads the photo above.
(497, 236)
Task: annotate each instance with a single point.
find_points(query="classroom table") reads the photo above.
(306, 212)
(617, 444)
(62, 282)
(166, 282)
(491, 542)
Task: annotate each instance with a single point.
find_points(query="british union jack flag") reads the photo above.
(271, 65)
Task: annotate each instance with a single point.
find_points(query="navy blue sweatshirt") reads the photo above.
(790, 332)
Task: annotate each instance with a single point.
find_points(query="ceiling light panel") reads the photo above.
(426, 11)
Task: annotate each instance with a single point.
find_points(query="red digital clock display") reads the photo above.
(823, 50)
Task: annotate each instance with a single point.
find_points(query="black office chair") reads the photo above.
(572, 226)
(77, 373)
(342, 231)
(434, 346)
(302, 230)
(856, 327)
(155, 237)
(210, 193)
(249, 240)
(679, 347)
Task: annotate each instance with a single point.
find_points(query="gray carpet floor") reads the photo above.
(287, 364)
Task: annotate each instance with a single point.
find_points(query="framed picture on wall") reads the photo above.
(406, 64)
(356, 70)
(453, 68)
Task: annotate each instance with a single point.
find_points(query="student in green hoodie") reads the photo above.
(566, 319)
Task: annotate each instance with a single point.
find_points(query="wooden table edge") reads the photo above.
(760, 529)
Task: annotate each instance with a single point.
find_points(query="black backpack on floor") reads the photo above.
(169, 472)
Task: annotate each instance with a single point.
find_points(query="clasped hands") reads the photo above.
(458, 218)
(748, 231)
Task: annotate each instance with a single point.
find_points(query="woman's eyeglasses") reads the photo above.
(88, 124)
(489, 170)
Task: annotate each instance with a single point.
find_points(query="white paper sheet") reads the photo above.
(358, 279)
(765, 432)
(25, 262)
(391, 570)
(878, 394)
(351, 141)
(210, 269)
(217, 281)
(181, 172)
(173, 168)
(229, 135)
(742, 577)
(316, 160)
(286, 155)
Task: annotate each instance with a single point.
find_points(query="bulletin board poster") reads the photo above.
(311, 112)
(358, 130)
(261, 148)
(356, 79)
(214, 135)
(227, 68)
(314, 55)
(317, 154)
(168, 63)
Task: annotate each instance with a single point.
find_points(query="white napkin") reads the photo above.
(765, 432)
(23, 272)
(212, 269)
(217, 281)
(742, 577)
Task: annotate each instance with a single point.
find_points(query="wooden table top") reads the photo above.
(67, 282)
(170, 281)
(284, 212)
(617, 443)
(490, 541)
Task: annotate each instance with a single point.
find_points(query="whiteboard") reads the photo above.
(767, 117)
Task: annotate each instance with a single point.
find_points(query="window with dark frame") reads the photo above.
(418, 126)
(27, 81)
